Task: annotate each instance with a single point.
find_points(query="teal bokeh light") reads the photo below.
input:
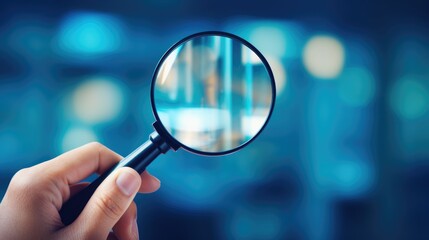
(356, 87)
(89, 34)
(409, 98)
(280, 39)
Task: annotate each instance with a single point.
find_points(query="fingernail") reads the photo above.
(135, 229)
(127, 183)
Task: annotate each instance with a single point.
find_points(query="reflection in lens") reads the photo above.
(213, 93)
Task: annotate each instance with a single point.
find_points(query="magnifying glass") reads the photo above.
(212, 93)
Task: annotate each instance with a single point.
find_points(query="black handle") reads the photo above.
(138, 160)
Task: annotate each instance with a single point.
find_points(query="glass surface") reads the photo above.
(213, 93)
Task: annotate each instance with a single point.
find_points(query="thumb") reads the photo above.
(109, 202)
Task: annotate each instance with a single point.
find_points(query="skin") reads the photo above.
(30, 207)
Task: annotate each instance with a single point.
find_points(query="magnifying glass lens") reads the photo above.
(212, 93)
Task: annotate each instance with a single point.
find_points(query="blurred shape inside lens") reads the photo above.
(213, 93)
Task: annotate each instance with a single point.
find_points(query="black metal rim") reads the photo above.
(211, 33)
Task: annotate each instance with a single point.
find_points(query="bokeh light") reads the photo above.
(278, 39)
(76, 137)
(324, 56)
(98, 100)
(409, 98)
(356, 87)
(280, 75)
(87, 33)
(352, 176)
(262, 34)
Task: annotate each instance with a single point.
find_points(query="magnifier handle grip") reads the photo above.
(74, 206)
(138, 160)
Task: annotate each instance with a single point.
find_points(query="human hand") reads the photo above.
(31, 205)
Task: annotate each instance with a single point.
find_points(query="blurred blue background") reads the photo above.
(345, 155)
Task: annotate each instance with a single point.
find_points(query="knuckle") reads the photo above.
(109, 207)
(27, 185)
(22, 180)
(21, 189)
(95, 145)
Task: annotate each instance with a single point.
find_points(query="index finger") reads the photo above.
(73, 166)
(81, 162)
